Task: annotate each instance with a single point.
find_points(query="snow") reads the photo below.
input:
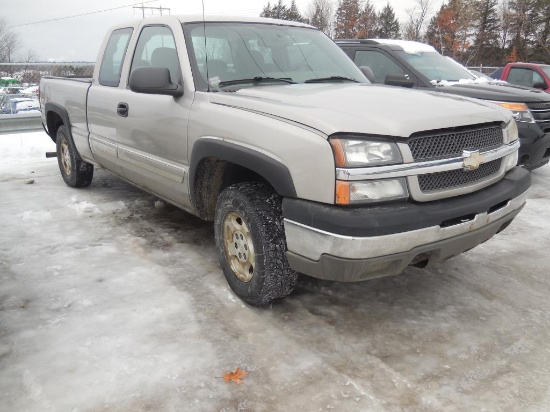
(113, 301)
(408, 46)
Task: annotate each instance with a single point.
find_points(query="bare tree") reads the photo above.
(319, 14)
(9, 42)
(414, 27)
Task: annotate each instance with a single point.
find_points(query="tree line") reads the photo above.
(474, 32)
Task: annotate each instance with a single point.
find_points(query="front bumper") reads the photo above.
(352, 244)
(534, 150)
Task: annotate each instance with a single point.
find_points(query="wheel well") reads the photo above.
(212, 176)
(54, 122)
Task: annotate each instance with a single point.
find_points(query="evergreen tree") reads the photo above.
(293, 14)
(277, 11)
(347, 16)
(282, 12)
(388, 25)
(368, 21)
(486, 48)
(266, 12)
(527, 20)
(541, 50)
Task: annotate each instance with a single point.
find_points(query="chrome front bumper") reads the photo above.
(347, 258)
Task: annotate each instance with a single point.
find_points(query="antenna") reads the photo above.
(205, 50)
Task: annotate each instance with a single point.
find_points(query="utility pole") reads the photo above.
(143, 8)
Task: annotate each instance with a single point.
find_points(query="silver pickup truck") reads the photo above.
(268, 129)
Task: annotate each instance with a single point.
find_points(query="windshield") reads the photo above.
(235, 55)
(436, 67)
(546, 70)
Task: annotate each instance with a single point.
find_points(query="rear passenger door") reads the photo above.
(152, 129)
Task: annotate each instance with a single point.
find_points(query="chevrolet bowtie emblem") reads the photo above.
(472, 159)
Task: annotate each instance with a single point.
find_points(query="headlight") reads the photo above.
(349, 193)
(511, 132)
(353, 152)
(520, 111)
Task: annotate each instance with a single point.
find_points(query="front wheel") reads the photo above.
(251, 243)
(75, 172)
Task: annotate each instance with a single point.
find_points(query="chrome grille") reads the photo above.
(451, 144)
(539, 106)
(541, 113)
(454, 178)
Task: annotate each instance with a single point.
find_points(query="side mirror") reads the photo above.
(154, 80)
(539, 85)
(398, 80)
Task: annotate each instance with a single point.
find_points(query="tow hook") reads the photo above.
(51, 154)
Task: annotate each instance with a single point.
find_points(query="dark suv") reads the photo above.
(417, 65)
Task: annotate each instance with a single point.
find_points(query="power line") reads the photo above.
(80, 15)
(143, 8)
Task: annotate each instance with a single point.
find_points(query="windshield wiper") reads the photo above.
(257, 79)
(331, 79)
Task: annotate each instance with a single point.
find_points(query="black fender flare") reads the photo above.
(276, 173)
(61, 112)
(64, 115)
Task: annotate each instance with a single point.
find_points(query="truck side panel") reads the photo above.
(70, 94)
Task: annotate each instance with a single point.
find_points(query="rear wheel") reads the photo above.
(251, 243)
(75, 172)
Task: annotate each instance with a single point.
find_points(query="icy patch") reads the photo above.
(31, 216)
(83, 207)
(519, 348)
(112, 207)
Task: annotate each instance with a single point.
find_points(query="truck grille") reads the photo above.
(541, 113)
(455, 178)
(451, 144)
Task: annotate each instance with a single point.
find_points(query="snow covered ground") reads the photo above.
(110, 301)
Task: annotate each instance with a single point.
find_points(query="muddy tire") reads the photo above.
(74, 171)
(251, 243)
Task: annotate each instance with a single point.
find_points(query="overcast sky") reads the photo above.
(79, 38)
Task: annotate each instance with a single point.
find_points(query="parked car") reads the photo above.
(532, 75)
(480, 75)
(497, 73)
(266, 128)
(417, 65)
(20, 105)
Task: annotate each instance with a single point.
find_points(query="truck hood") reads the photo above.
(361, 108)
(503, 92)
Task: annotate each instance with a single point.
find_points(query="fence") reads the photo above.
(484, 69)
(31, 73)
(19, 109)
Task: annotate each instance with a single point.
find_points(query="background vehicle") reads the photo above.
(266, 128)
(16, 105)
(417, 65)
(525, 74)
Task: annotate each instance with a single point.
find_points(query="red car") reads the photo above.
(525, 74)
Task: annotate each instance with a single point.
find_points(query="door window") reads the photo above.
(524, 77)
(113, 57)
(157, 47)
(380, 64)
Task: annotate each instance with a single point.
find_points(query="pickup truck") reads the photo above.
(525, 74)
(417, 65)
(269, 130)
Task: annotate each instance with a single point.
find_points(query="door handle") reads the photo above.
(122, 109)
